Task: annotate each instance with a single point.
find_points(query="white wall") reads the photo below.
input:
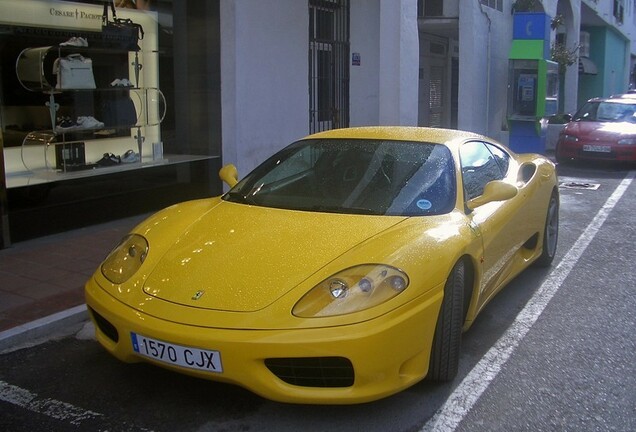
(498, 51)
(264, 69)
(477, 48)
(399, 62)
(364, 88)
(383, 89)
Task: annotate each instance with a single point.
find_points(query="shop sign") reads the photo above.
(355, 59)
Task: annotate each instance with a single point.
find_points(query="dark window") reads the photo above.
(324, 83)
(324, 25)
(495, 4)
(328, 64)
(619, 10)
(431, 8)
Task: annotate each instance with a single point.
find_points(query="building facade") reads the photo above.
(232, 81)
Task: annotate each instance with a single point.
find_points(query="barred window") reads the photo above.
(495, 4)
(619, 10)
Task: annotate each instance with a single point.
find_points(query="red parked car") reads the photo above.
(603, 129)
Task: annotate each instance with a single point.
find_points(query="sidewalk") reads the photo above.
(44, 276)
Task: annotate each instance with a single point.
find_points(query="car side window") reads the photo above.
(479, 167)
(502, 158)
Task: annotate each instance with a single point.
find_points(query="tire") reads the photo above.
(550, 233)
(444, 361)
(561, 160)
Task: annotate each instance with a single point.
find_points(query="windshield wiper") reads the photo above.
(238, 197)
(343, 210)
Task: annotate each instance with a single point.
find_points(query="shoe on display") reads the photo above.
(106, 132)
(109, 159)
(89, 122)
(65, 123)
(130, 157)
(75, 41)
(124, 82)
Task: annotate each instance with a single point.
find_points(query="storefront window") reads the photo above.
(99, 123)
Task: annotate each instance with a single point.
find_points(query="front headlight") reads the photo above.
(567, 137)
(627, 141)
(125, 259)
(352, 290)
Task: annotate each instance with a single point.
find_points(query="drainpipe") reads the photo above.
(481, 8)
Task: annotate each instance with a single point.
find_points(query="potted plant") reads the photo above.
(526, 6)
(565, 57)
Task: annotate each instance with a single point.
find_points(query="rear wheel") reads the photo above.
(550, 233)
(444, 361)
(561, 160)
(557, 156)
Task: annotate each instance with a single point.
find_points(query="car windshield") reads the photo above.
(374, 177)
(607, 111)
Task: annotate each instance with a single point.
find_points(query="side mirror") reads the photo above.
(495, 190)
(229, 174)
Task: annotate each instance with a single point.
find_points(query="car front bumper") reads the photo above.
(595, 151)
(386, 354)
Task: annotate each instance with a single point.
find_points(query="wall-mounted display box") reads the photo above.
(100, 113)
(93, 116)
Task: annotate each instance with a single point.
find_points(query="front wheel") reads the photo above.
(444, 361)
(550, 233)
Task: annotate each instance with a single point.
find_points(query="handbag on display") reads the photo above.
(74, 72)
(120, 33)
(117, 110)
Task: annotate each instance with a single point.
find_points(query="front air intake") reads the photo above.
(105, 326)
(313, 371)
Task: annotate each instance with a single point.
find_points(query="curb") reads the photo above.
(43, 328)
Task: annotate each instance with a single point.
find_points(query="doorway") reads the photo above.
(433, 98)
(328, 64)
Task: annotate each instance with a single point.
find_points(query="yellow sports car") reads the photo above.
(341, 270)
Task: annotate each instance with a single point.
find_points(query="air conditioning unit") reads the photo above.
(584, 44)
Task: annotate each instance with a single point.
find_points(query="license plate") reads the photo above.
(188, 357)
(597, 148)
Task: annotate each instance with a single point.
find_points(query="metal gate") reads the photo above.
(328, 64)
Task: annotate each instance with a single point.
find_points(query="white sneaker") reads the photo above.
(75, 41)
(121, 83)
(89, 122)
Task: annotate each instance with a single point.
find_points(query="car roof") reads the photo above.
(628, 96)
(400, 133)
(618, 99)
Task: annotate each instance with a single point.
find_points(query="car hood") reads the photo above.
(242, 258)
(600, 131)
